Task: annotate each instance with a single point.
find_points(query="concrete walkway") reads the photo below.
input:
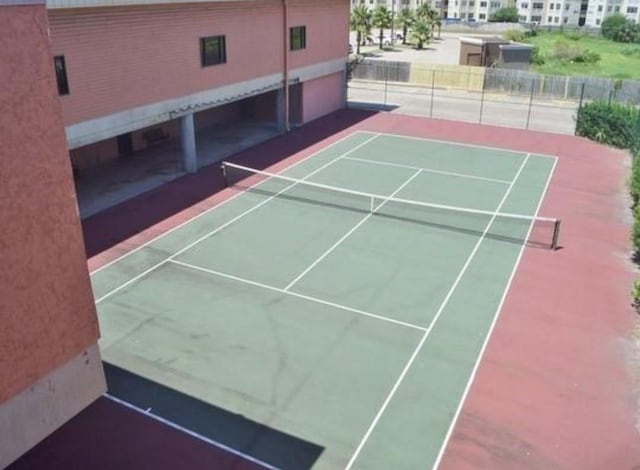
(118, 180)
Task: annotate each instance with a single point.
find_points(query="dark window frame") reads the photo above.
(297, 38)
(217, 56)
(60, 69)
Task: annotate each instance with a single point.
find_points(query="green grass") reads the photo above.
(613, 62)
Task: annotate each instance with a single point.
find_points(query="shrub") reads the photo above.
(631, 50)
(613, 124)
(635, 295)
(514, 35)
(635, 232)
(634, 183)
(536, 57)
(612, 24)
(565, 52)
(505, 15)
(574, 35)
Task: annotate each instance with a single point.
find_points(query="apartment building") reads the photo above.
(598, 10)
(542, 12)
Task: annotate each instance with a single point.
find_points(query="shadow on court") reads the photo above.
(107, 435)
(230, 429)
(112, 226)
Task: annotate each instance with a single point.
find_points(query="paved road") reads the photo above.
(495, 109)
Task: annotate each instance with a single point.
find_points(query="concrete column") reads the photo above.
(280, 114)
(344, 89)
(188, 144)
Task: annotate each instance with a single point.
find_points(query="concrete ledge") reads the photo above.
(36, 412)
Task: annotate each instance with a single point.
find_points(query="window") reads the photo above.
(567, 7)
(616, 8)
(483, 4)
(482, 16)
(495, 4)
(609, 8)
(632, 9)
(556, 20)
(472, 3)
(558, 6)
(548, 19)
(565, 20)
(524, 5)
(538, 5)
(551, 6)
(213, 51)
(599, 7)
(598, 21)
(298, 37)
(61, 75)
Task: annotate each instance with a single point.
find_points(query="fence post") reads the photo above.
(386, 81)
(433, 87)
(533, 84)
(575, 131)
(481, 104)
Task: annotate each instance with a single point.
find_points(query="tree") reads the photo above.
(620, 29)
(360, 23)
(421, 32)
(406, 18)
(429, 16)
(612, 25)
(381, 18)
(505, 15)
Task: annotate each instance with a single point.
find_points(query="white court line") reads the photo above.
(489, 333)
(300, 296)
(189, 432)
(346, 235)
(191, 219)
(459, 144)
(431, 324)
(428, 170)
(226, 224)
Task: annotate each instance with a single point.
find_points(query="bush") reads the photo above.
(610, 123)
(612, 24)
(620, 29)
(536, 57)
(505, 15)
(566, 52)
(635, 232)
(574, 35)
(635, 295)
(634, 183)
(631, 51)
(514, 35)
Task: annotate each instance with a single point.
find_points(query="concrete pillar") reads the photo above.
(280, 114)
(188, 144)
(344, 89)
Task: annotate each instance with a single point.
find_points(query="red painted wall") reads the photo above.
(47, 315)
(118, 58)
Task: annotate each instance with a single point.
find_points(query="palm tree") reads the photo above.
(421, 32)
(381, 19)
(360, 23)
(405, 17)
(429, 15)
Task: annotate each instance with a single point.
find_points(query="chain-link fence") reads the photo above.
(502, 97)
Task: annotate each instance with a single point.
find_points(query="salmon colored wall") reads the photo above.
(322, 96)
(118, 58)
(47, 315)
(327, 29)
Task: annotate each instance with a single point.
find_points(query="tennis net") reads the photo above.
(534, 231)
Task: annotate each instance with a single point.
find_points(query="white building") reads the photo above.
(542, 12)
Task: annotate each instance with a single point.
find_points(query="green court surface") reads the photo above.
(302, 310)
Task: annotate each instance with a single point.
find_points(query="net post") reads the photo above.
(223, 169)
(371, 205)
(556, 234)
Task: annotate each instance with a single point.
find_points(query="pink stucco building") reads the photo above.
(116, 77)
(132, 73)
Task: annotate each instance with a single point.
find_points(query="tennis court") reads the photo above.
(345, 301)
